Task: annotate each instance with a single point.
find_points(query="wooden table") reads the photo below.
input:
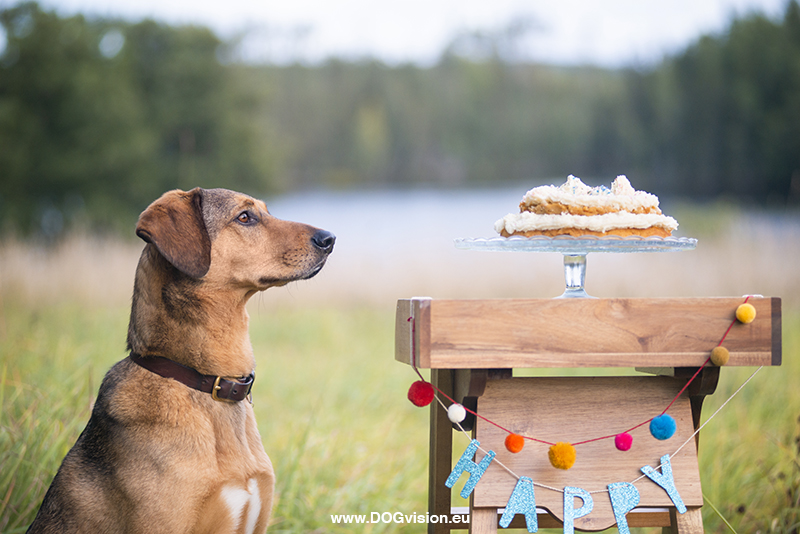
(473, 346)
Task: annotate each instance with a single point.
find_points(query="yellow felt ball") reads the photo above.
(745, 313)
(720, 356)
(562, 455)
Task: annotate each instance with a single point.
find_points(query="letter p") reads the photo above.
(570, 512)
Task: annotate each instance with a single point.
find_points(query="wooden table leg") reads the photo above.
(705, 384)
(440, 454)
(483, 521)
(690, 522)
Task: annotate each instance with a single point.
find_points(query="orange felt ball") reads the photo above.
(562, 455)
(514, 443)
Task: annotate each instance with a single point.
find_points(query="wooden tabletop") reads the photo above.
(560, 333)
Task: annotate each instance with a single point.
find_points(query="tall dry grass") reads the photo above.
(79, 268)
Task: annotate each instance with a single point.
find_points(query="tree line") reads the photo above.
(98, 117)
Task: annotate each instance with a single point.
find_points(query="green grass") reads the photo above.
(51, 362)
(330, 402)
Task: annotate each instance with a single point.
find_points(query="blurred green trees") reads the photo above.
(723, 118)
(99, 117)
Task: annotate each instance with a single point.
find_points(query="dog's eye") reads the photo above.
(246, 218)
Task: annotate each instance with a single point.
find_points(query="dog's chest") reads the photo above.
(244, 505)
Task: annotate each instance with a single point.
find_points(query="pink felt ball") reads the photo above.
(623, 441)
(420, 393)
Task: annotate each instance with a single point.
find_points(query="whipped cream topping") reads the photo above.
(620, 197)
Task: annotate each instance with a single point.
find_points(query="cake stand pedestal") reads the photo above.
(574, 276)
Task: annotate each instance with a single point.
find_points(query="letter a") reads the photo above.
(522, 501)
(570, 513)
(624, 498)
(466, 464)
(665, 480)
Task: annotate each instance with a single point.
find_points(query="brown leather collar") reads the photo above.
(221, 389)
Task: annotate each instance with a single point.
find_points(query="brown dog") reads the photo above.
(170, 446)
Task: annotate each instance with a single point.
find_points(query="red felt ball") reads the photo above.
(623, 441)
(420, 393)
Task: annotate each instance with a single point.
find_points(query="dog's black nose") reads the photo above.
(324, 240)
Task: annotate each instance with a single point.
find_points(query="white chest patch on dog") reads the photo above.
(243, 504)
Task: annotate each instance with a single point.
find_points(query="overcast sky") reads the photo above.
(609, 33)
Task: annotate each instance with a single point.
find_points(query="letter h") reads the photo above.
(466, 464)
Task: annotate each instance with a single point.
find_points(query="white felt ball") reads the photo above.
(456, 413)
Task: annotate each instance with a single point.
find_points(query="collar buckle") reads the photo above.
(215, 390)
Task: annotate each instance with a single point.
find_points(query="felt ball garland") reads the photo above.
(562, 455)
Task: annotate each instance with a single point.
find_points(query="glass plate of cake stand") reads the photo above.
(575, 249)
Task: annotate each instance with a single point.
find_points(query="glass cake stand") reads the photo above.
(575, 249)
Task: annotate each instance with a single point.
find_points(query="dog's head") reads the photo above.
(230, 238)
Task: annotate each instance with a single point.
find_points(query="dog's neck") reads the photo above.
(175, 316)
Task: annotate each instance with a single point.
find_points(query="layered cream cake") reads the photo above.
(576, 209)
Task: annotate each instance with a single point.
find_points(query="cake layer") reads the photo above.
(556, 208)
(527, 223)
(653, 231)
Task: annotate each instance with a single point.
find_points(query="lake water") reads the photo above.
(400, 219)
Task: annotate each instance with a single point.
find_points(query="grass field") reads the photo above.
(330, 399)
(332, 412)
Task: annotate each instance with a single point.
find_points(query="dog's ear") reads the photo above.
(174, 224)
